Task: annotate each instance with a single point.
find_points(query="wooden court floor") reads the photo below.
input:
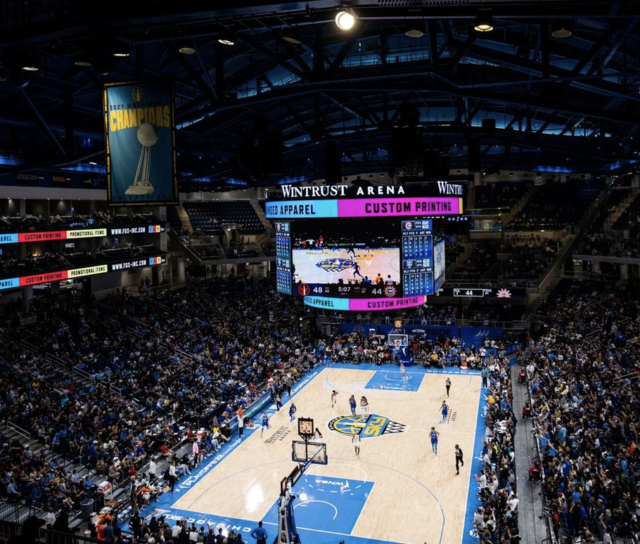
(415, 496)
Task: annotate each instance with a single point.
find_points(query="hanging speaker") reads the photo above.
(474, 155)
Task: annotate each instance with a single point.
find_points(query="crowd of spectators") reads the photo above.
(500, 194)
(496, 521)
(193, 361)
(528, 261)
(479, 261)
(582, 374)
(556, 206)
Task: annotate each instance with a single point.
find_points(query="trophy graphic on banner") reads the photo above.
(148, 137)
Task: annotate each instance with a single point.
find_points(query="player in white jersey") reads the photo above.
(356, 443)
(334, 398)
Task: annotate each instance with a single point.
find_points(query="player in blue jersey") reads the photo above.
(445, 411)
(352, 405)
(265, 423)
(434, 440)
(292, 412)
(356, 270)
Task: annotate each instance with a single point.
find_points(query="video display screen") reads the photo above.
(438, 265)
(358, 260)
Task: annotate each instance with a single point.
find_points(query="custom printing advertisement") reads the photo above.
(140, 143)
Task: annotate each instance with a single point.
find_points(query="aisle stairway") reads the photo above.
(263, 218)
(517, 208)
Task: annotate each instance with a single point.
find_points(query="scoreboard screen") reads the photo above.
(362, 247)
(368, 259)
(283, 257)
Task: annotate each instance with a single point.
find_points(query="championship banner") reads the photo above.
(139, 120)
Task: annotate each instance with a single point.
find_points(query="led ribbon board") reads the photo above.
(364, 207)
(35, 279)
(364, 304)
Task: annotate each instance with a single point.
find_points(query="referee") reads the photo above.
(459, 459)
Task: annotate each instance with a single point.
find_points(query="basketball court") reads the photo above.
(397, 491)
(328, 266)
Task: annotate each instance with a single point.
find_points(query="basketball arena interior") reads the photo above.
(320, 272)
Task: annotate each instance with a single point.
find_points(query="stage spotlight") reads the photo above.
(484, 22)
(346, 19)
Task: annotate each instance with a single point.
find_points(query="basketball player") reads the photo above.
(448, 385)
(404, 371)
(352, 405)
(265, 423)
(292, 412)
(459, 459)
(356, 270)
(334, 398)
(317, 435)
(356, 442)
(364, 405)
(445, 411)
(434, 440)
(351, 250)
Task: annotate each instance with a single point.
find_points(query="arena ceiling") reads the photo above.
(564, 104)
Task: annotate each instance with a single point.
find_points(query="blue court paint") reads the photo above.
(324, 502)
(469, 533)
(391, 380)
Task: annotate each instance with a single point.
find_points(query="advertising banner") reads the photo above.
(364, 207)
(139, 122)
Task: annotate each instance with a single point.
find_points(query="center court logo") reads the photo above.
(335, 265)
(369, 426)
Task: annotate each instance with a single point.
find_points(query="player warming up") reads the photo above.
(356, 444)
(292, 412)
(447, 384)
(334, 398)
(404, 371)
(445, 411)
(434, 440)
(265, 423)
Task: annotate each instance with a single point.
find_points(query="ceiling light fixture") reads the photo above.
(186, 47)
(345, 19)
(30, 64)
(227, 37)
(414, 30)
(122, 49)
(290, 35)
(83, 61)
(561, 29)
(484, 22)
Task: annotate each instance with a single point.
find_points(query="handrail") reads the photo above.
(29, 346)
(17, 429)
